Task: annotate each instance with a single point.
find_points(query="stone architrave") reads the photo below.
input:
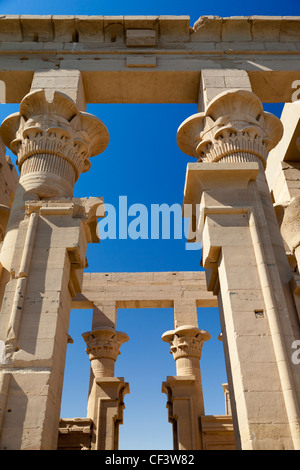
(43, 258)
(245, 263)
(106, 395)
(184, 391)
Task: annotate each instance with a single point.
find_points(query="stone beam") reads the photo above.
(144, 290)
(163, 51)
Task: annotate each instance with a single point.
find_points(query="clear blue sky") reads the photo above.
(142, 162)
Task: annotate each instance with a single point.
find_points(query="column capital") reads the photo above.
(186, 341)
(234, 128)
(53, 142)
(103, 348)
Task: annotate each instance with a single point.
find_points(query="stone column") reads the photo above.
(106, 395)
(184, 391)
(43, 258)
(245, 263)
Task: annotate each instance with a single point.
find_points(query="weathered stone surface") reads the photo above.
(235, 210)
(180, 50)
(8, 183)
(53, 66)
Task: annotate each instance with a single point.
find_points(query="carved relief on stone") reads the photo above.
(288, 216)
(234, 128)
(53, 141)
(103, 348)
(186, 341)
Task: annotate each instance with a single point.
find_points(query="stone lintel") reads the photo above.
(178, 52)
(145, 290)
(171, 77)
(141, 38)
(71, 28)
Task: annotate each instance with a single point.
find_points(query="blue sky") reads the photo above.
(143, 163)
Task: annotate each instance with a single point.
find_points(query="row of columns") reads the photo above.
(43, 257)
(184, 391)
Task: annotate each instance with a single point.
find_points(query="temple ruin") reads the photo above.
(244, 188)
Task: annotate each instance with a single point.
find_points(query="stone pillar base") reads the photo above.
(110, 406)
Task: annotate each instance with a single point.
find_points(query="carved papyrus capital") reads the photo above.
(234, 128)
(103, 348)
(186, 341)
(53, 142)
